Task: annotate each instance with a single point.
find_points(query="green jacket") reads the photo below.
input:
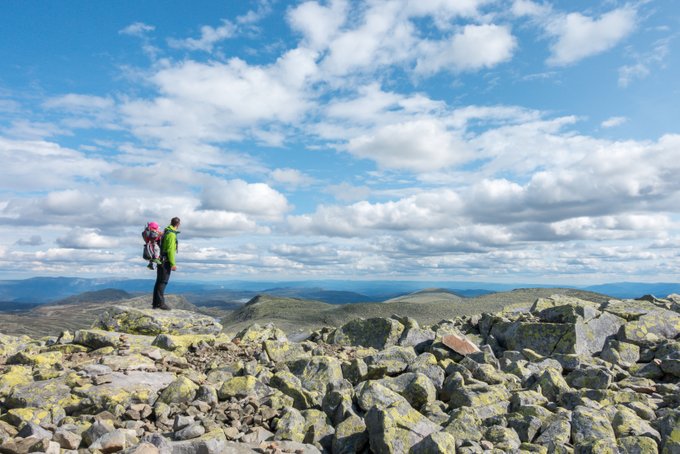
(169, 244)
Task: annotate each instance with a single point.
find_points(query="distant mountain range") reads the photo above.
(26, 293)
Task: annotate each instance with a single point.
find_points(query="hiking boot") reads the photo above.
(164, 307)
(150, 266)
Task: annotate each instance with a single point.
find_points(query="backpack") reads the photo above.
(152, 237)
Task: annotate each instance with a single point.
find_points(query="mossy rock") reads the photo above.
(241, 387)
(291, 385)
(375, 332)
(124, 390)
(280, 351)
(391, 361)
(371, 394)
(397, 428)
(43, 394)
(291, 425)
(180, 343)
(416, 388)
(15, 376)
(589, 425)
(150, 322)
(37, 359)
(350, 436)
(258, 334)
(317, 373)
(180, 390)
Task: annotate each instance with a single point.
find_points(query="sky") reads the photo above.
(476, 140)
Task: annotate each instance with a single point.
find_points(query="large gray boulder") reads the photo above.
(397, 428)
(572, 333)
(373, 332)
(152, 322)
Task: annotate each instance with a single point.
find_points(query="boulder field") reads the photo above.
(567, 376)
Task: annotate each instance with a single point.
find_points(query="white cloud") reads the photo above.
(79, 102)
(645, 62)
(477, 47)
(33, 240)
(434, 209)
(580, 36)
(137, 29)
(215, 101)
(613, 122)
(209, 37)
(529, 8)
(35, 165)
(318, 24)
(346, 192)
(86, 239)
(291, 178)
(255, 199)
(70, 201)
(419, 145)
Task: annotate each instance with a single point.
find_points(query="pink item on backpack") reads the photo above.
(153, 225)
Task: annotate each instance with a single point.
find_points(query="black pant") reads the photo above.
(162, 277)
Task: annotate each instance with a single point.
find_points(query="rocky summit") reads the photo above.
(568, 375)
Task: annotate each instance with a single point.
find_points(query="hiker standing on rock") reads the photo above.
(168, 251)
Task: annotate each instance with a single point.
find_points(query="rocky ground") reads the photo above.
(569, 376)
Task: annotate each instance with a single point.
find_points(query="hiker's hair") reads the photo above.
(174, 222)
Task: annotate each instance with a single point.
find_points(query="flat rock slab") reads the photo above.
(152, 322)
(460, 344)
(125, 389)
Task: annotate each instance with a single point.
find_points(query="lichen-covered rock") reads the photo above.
(124, 390)
(46, 394)
(291, 425)
(390, 361)
(37, 359)
(504, 438)
(526, 426)
(9, 345)
(551, 384)
(132, 362)
(416, 388)
(372, 394)
(14, 376)
(350, 436)
(291, 385)
(280, 352)
(97, 429)
(114, 441)
(426, 364)
(318, 429)
(213, 442)
(464, 425)
(582, 337)
(180, 343)
(557, 300)
(373, 332)
(622, 354)
(637, 445)
(124, 319)
(590, 377)
(485, 400)
(435, 443)
(589, 425)
(669, 428)
(258, 334)
(317, 373)
(240, 387)
(397, 428)
(627, 423)
(651, 327)
(99, 339)
(180, 390)
(556, 431)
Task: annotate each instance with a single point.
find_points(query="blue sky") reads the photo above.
(510, 141)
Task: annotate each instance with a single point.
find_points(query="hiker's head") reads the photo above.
(153, 225)
(175, 222)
